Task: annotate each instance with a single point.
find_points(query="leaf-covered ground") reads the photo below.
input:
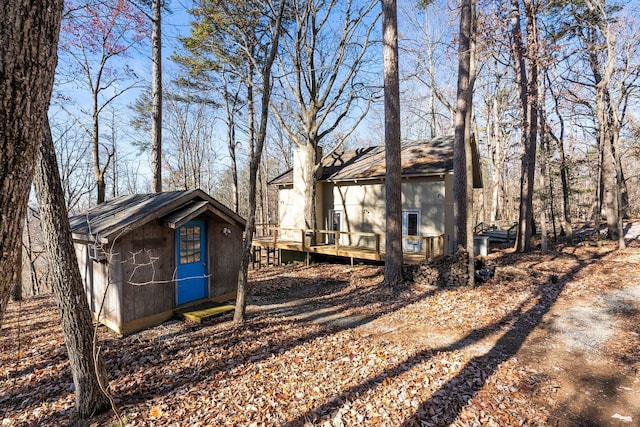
(550, 340)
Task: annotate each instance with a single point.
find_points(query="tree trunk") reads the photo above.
(544, 173)
(156, 94)
(462, 165)
(567, 229)
(28, 54)
(529, 102)
(35, 284)
(310, 171)
(16, 288)
(609, 196)
(532, 142)
(231, 100)
(77, 324)
(619, 187)
(243, 276)
(256, 146)
(392, 143)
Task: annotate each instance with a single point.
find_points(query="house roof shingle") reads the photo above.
(108, 220)
(419, 158)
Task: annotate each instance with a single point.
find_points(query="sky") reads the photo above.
(176, 22)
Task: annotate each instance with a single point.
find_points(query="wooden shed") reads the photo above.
(143, 256)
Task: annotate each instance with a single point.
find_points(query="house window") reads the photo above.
(190, 244)
(411, 227)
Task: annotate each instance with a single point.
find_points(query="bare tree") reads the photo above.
(92, 37)
(323, 79)
(189, 151)
(427, 63)
(28, 54)
(233, 105)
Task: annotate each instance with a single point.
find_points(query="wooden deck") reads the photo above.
(351, 245)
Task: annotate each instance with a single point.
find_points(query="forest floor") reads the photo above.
(550, 340)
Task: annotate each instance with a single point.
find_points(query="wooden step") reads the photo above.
(203, 311)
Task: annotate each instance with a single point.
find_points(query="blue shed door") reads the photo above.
(192, 262)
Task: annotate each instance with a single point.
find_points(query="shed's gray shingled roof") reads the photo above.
(108, 220)
(419, 158)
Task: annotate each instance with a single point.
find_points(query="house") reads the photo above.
(147, 254)
(351, 193)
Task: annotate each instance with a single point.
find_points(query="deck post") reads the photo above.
(336, 240)
(377, 246)
(302, 238)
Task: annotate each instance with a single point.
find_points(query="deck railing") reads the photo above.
(345, 242)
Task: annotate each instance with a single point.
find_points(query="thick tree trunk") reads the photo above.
(393, 181)
(156, 94)
(462, 164)
(310, 170)
(77, 324)
(28, 54)
(610, 197)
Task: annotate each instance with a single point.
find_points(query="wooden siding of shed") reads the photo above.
(96, 276)
(147, 272)
(224, 258)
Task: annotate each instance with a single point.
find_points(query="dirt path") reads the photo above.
(584, 351)
(587, 380)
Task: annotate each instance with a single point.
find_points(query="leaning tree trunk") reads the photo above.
(77, 324)
(28, 55)
(255, 155)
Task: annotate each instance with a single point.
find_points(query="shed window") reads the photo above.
(190, 244)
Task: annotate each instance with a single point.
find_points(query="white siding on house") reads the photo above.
(290, 212)
(363, 206)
